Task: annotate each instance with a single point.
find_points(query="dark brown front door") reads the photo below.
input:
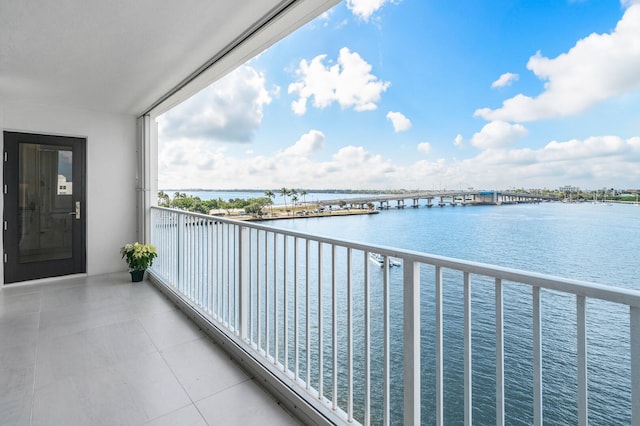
(44, 206)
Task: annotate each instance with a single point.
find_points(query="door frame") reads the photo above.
(13, 271)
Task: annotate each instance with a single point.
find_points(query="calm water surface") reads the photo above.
(589, 242)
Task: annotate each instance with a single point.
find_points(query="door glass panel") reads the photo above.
(45, 202)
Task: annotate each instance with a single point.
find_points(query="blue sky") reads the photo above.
(415, 94)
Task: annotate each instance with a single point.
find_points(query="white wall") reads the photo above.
(111, 172)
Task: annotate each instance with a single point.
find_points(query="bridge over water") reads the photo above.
(437, 198)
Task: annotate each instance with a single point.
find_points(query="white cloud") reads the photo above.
(363, 9)
(229, 110)
(424, 147)
(458, 141)
(598, 67)
(309, 143)
(505, 80)
(349, 83)
(399, 121)
(498, 134)
(589, 163)
(629, 3)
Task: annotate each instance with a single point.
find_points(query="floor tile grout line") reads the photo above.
(182, 386)
(35, 359)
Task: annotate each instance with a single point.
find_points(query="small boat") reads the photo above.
(379, 259)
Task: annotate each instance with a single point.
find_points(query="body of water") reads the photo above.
(597, 243)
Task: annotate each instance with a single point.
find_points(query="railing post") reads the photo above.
(635, 364)
(243, 284)
(468, 371)
(499, 353)
(583, 407)
(181, 248)
(537, 358)
(411, 303)
(439, 350)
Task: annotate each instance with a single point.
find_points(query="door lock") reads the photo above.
(77, 212)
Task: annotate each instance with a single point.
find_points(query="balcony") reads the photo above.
(103, 351)
(340, 339)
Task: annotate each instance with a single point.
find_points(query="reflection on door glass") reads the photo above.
(65, 179)
(45, 202)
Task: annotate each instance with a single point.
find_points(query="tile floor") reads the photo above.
(104, 351)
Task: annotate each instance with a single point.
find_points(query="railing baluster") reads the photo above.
(499, 354)
(334, 326)
(411, 331)
(198, 252)
(243, 271)
(537, 358)
(296, 302)
(468, 372)
(308, 315)
(267, 335)
(219, 255)
(251, 290)
(228, 289)
(386, 332)
(181, 250)
(367, 341)
(193, 270)
(210, 280)
(583, 414)
(285, 297)
(439, 350)
(634, 319)
(320, 327)
(349, 338)
(275, 299)
(259, 291)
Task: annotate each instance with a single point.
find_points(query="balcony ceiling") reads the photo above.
(118, 56)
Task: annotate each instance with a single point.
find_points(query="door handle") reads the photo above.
(77, 211)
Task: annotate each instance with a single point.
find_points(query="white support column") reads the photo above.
(144, 197)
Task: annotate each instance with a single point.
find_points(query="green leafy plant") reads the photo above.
(138, 256)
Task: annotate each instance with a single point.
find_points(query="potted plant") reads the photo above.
(138, 257)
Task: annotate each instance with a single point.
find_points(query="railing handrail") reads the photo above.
(592, 290)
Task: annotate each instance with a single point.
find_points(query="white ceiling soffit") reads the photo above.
(255, 40)
(125, 56)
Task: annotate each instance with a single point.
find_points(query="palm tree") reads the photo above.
(293, 193)
(284, 192)
(304, 193)
(163, 199)
(270, 195)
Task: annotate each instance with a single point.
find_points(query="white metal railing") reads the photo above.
(356, 340)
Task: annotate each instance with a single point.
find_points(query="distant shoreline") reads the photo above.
(268, 217)
(309, 191)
